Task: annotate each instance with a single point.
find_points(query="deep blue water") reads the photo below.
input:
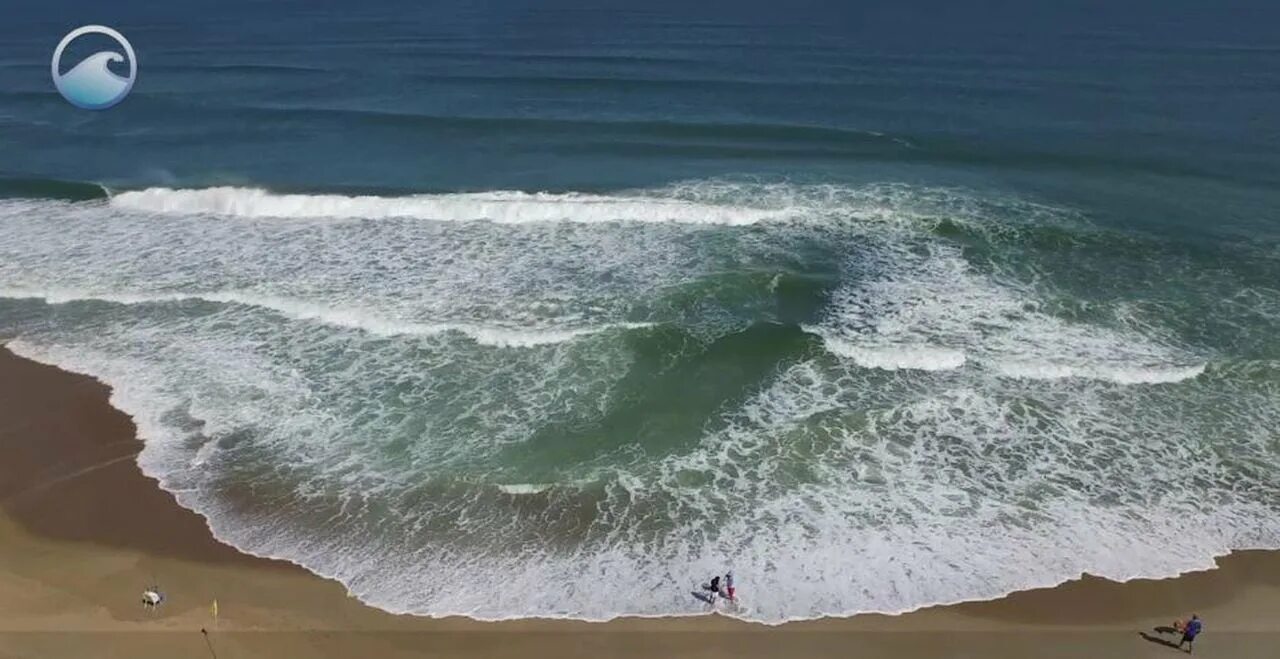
(1160, 114)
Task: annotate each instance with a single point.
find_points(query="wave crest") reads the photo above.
(491, 335)
(897, 357)
(504, 207)
(1117, 374)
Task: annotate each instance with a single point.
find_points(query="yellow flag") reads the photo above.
(214, 609)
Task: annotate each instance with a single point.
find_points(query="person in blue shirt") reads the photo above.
(1189, 632)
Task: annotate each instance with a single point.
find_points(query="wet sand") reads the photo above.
(83, 531)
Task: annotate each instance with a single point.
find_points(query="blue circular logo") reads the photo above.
(90, 84)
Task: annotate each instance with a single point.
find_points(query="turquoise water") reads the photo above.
(476, 311)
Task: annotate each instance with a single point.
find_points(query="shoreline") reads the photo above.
(83, 530)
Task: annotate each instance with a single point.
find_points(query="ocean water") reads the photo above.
(536, 309)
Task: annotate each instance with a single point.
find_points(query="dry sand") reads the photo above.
(83, 531)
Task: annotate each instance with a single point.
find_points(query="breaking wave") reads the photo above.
(338, 317)
(504, 207)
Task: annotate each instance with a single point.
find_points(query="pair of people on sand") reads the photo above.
(1190, 630)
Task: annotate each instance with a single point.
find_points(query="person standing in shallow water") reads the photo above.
(714, 586)
(1189, 632)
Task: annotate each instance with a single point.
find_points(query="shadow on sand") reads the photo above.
(1161, 641)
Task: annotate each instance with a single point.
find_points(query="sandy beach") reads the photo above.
(83, 531)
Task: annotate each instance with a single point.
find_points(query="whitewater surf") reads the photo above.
(488, 403)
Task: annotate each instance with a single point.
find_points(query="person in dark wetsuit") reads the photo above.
(709, 591)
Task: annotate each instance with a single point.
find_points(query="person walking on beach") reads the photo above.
(1189, 632)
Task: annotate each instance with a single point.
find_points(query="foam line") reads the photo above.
(506, 207)
(507, 337)
(895, 357)
(524, 488)
(1117, 374)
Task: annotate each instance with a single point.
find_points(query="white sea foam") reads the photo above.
(894, 357)
(507, 207)
(1119, 374)
(707, 202)
(340, 317)
(524, 488)
(907, 298)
